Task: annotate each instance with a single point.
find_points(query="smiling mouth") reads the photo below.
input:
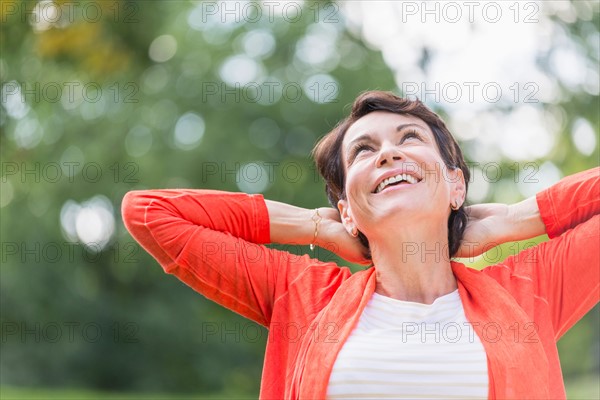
(401, 179)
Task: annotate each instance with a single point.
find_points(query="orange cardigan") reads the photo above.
(212, 241)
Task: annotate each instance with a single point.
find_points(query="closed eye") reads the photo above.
(359, 148)
(411, 134)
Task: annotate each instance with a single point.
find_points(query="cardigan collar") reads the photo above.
(517, 363)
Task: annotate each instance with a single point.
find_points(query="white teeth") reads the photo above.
(402, 177)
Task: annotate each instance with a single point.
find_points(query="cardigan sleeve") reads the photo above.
(212, 241)
(564, 271)
(574, 199)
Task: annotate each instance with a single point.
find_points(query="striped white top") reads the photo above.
(401, 349)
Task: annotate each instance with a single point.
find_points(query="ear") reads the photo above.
(346, 216)
(458, 187)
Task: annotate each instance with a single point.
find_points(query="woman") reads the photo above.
(399, 182)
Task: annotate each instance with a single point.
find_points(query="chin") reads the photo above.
(398, 214)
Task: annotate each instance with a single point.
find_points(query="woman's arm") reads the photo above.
(290, 224)
(211, 241)
(296, 225)
(564, 205)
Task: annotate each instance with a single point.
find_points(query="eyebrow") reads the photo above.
(402, 126)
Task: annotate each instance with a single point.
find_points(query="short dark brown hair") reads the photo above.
(328, 155)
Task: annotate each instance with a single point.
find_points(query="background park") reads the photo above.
(103, 97)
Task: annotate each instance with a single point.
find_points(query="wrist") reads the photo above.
(290, 224)
(329, 223)
(316, 218)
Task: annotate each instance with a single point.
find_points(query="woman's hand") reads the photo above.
(487, 227)
(333, 236)
(492, 224)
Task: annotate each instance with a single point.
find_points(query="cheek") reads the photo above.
(356, 196)
(433, 163)
(442, 182)
(351, 193)
(355, 182)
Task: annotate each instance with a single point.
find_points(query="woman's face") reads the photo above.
(381, 145)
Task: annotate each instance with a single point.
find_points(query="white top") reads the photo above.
(401, 349)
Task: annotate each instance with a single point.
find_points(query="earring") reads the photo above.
(454, 205)
(354, 232)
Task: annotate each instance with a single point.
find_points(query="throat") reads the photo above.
(406, 277)
(410, 255)
(414, 292)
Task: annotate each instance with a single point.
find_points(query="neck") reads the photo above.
(413, 265)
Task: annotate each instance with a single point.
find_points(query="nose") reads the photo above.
(388, 154)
